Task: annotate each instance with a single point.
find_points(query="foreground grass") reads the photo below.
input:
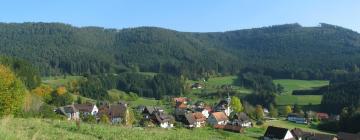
(290, 85)
(32, 128)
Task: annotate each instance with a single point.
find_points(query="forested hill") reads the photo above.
(286, 51)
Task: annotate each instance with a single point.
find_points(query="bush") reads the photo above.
(331, 126)
(89, 119)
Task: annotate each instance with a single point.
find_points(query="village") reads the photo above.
(195, 115)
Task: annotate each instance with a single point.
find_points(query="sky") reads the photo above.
(184, 15)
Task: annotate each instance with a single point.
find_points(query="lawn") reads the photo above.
(32, 128)
(286, 98)
(291, 125)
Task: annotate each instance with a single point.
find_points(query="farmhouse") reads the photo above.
(87, 109)
(322, 116)
(277, 133)
(197, 86)
(241, 119)
(118, 112)
(164, 120)
(69, 111)
(218, 118)
(150, 110)
(302, 135)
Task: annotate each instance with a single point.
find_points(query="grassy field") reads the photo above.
(287, 98)
(39, 129)
(291, 125)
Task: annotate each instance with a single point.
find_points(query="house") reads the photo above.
(218, 118)
(189, 120)
(180, 114)
(87, 109)
(150, 110)
(118, 112)
(348, 136)
(241, 119)
(196, 86)
(181, 102)
(69, 111)
(297, 118)
(278, 133)
(103, 110)
(322, 116)
(205, 110)
(224, 106)
(302, 135)
(231, 128)
(163, 120)
(200, 119)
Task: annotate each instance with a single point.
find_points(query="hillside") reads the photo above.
(282, 51)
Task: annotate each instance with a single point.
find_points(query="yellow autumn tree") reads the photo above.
(12, 92)
(61, 90)
(42, 90)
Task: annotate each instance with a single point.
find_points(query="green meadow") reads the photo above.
(286, 98)
(42, 129)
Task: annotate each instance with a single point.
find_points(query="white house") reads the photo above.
(278, 133)
(87, 109)
(218, 118)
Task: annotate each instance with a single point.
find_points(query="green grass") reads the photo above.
(39, 129)
(291, 85)
(291, 125)
(145, 101)
(286, 98)
(59, 81)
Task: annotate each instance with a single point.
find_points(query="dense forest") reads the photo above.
(283, 51)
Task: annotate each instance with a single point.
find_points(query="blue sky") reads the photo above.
(184, 15)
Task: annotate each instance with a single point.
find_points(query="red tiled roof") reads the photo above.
(220, 116)
(199, 117)
(180, 99)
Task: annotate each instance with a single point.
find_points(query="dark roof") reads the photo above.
(67, 109)
(103, 110)
(151, 109)
(117, 110)
(318, 136)
(275, 132)
(162, 117)
(84, 107)
(190, 118)
(242, 117)
(297, 132)
(348, 136)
